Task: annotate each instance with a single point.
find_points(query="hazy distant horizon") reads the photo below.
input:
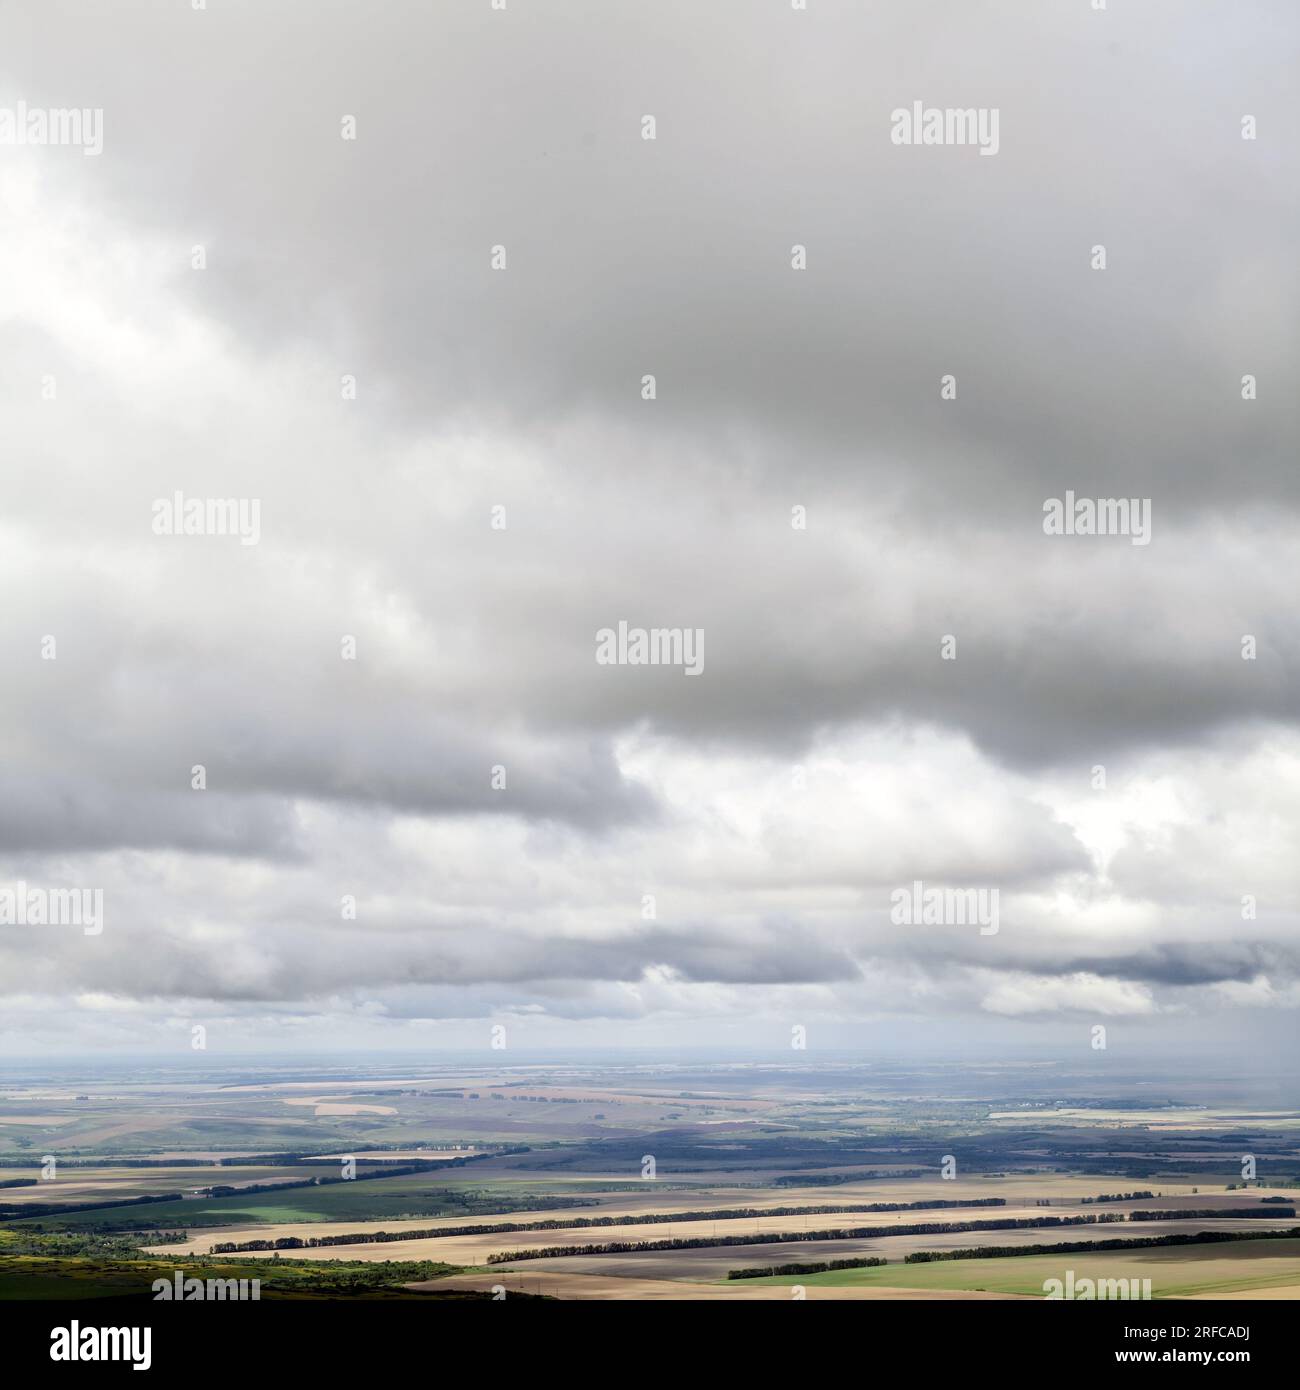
(1135, 1061)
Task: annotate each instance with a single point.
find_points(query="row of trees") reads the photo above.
(1075, 1247)
(385, 1170)
(762, 1271)
(1208, 1213)
(835, 1179)
(567, 1223)
(40, 1209)
(617, 1247)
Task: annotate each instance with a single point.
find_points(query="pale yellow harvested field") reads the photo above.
(667, 1200)
(69, 1190)
(516, 1090)
(475, 1249)
(724, 1189)
(1287, 1291)
(324, 1107)
(30, 1096)
(606, 1204)
(107, 1183)
(396, 1155)
(209, 1155)
(596, 1286)
(513, 1088)
(1189, 1118)
(712, 1263)
(344, 1086)
(1027, 1189)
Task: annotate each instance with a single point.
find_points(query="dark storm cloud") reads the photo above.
(1197, 963)
(1176, 962)
(320, 963)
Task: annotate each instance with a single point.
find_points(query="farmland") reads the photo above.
(616, 1182)
(1181, 1272)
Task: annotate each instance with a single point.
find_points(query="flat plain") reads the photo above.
(648, 1182)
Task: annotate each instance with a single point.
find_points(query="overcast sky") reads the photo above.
(827, 753)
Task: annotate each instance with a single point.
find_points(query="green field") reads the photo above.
(376, 1199)
(1174, 1273)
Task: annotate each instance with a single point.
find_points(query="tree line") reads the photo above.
(1208, 1213)
(762, 1271)
(413, 1169)
(498, 1228)
(619, 1247)
(1074, 1247)
(835, 1179)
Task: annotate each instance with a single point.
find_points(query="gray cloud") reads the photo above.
(827, 752)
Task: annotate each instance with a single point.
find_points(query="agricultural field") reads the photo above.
(1267, 1267)
(363, 1200)
(626, 1182)
(106, 1183)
